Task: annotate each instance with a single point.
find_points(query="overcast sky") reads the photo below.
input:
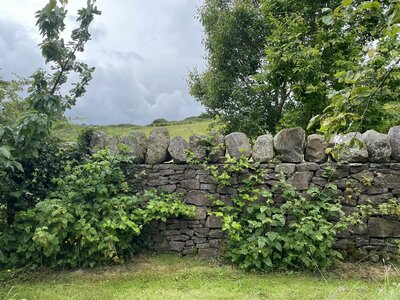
(142, 51)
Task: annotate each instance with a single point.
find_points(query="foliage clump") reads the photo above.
(91, 217)
(274, 64)
(277, 228)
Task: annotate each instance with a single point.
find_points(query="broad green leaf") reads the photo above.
(5, 151)
(347, 2)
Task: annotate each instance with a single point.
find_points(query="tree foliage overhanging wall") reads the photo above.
(274, 63)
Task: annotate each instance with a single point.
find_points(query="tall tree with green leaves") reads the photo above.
(234, 40)
(273, 63)
(23, 140)
(369, 94)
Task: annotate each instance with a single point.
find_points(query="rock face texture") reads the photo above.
(100, 140)
(289, 144)
(315, 149)
(238, 144)
(351, 153)
(378, 146)
(203, 234)
(178, 149)
(394, 139)
(263, 149)
(157, 147)
(136, 142)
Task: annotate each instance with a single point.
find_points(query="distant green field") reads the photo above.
(184, 129)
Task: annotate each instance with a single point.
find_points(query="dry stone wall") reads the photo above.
(373, 168)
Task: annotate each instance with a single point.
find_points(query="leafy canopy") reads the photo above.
(370, 91)
(274, 63)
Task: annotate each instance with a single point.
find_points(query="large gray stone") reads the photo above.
(394, 138)
(157, 147)
(289, 144)
(391, 181)
(178, 149)
(378, 146)
(263, 149)
(375, 199)
(287, 169)
(100, 140)
(217, 150)
(176, 246)
(200, 213)
(214, 222)
(301, 180)
(379, 227)
(351, 154)
(237, 144)
(198, 198)
(136, 142)
(315, 149)
(198, 145)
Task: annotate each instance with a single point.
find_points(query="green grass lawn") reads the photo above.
(183, 129)
(172, 277)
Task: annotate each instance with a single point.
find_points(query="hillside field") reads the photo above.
(184, 128)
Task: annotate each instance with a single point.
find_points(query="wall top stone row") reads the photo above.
(289, 146)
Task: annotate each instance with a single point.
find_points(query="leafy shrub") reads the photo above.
(90, 218)
(21, 190)
(264, 235)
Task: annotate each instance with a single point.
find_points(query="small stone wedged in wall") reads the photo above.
(378, 146)
(263, 149)
(238, 144)
(289, 144)
(157, 147)
(136, 142)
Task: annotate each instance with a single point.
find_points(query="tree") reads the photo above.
(369, 97)
(234, 39)
(23, 140)
(272, 63)
(11, 103)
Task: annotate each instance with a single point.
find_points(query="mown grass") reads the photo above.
(172, 277)
(184, 129)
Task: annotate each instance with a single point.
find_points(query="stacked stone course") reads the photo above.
(373, 168)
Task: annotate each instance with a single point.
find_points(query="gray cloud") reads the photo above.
(142, 51)
(19, 53)
(117, 96)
